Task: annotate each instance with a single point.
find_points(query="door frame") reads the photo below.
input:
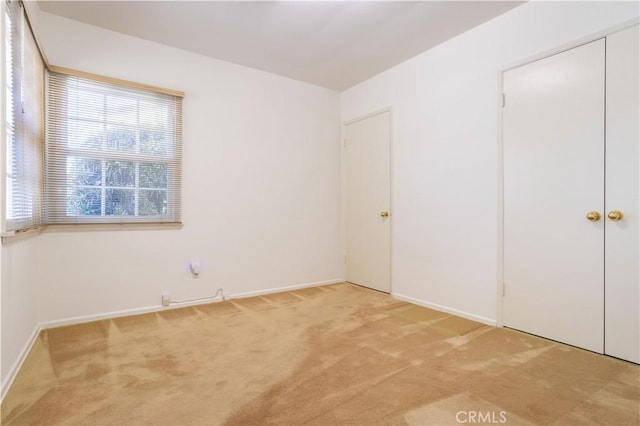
(343, 189)
(499, 100)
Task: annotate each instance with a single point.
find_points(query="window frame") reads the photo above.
(56, 213)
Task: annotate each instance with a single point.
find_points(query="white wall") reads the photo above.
(19, 295)
(445, 148)
(261, 184)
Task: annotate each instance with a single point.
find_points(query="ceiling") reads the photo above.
(333, 44)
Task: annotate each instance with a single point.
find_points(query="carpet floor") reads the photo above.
(331, 355)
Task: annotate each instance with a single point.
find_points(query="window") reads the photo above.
(23, 91)
(113, 152)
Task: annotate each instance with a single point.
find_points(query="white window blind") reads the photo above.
(24, 114)
(113, 153)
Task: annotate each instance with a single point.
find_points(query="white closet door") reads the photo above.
(553, 132)
(368, 197)
(622, 280)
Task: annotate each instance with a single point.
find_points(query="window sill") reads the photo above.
(98, 227)
(87, 227)
(18, 235)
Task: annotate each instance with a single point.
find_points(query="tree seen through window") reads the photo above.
(119, 187)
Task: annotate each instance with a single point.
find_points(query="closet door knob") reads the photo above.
(593, 216)
(615, 215)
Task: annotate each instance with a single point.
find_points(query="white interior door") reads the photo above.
(622, 278)
(553, 133)
(368, 224)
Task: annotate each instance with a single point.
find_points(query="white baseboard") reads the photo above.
(174, 305)
(288, 288)
(13, 372)
(446, 309)
(97, 317)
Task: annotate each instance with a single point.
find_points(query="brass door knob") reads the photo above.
(615, 215)
(384, 214)
(593, 216)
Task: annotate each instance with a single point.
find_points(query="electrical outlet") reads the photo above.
(194, 266)
(166, 299)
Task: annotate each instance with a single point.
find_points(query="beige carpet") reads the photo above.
(338, 354)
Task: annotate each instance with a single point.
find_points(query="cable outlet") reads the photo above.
(166, 299)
